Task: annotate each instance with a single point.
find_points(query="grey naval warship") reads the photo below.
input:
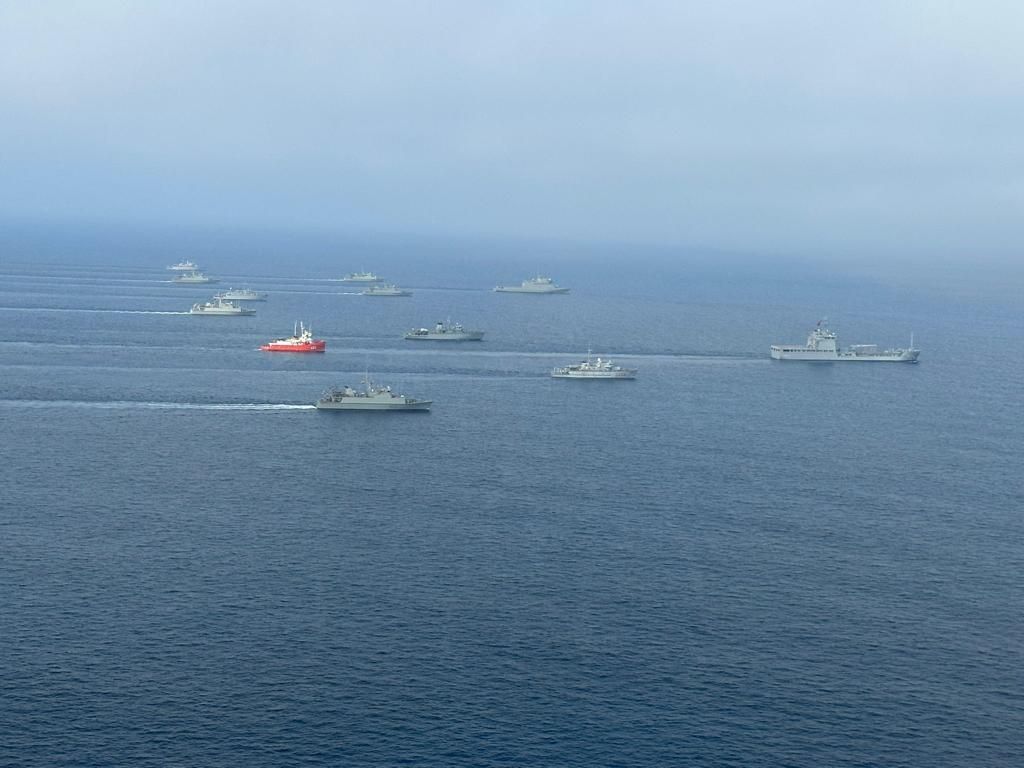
(361, 277)
(538, 284)
(823, 347)
(219, 307)
(193, 278)
(444, 332)
(370, 398)
(385, 289)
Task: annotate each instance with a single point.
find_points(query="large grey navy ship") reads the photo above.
(370, 398)
(444, 332)
(823, 347)
(538, 284)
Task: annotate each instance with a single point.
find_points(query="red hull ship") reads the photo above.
(301, 341)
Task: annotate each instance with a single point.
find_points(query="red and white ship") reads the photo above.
(301, 341)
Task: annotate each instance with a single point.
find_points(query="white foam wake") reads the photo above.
(163, 406)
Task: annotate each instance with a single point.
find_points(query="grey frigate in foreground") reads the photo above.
(371, 398)
(823, 347)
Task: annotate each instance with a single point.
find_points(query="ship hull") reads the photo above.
(423, 405)
(617, 376)
(514, 289)
(208, 313)
(315, 347)
(814, 356)
(235, 297)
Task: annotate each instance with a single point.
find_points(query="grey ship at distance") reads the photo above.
(243, 294)
(538, 284)
(361, 277)
(193, 278)
(385, 289)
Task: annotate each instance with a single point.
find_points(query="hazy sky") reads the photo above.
(801, 127)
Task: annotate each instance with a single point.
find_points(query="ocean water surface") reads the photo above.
(729, 561)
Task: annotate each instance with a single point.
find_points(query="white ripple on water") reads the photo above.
(132, 404)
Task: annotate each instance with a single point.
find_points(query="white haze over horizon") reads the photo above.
(870, 130)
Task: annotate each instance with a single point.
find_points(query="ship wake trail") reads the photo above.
(157, 406)
(75, 309)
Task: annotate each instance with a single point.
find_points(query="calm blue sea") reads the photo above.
(728, 562)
